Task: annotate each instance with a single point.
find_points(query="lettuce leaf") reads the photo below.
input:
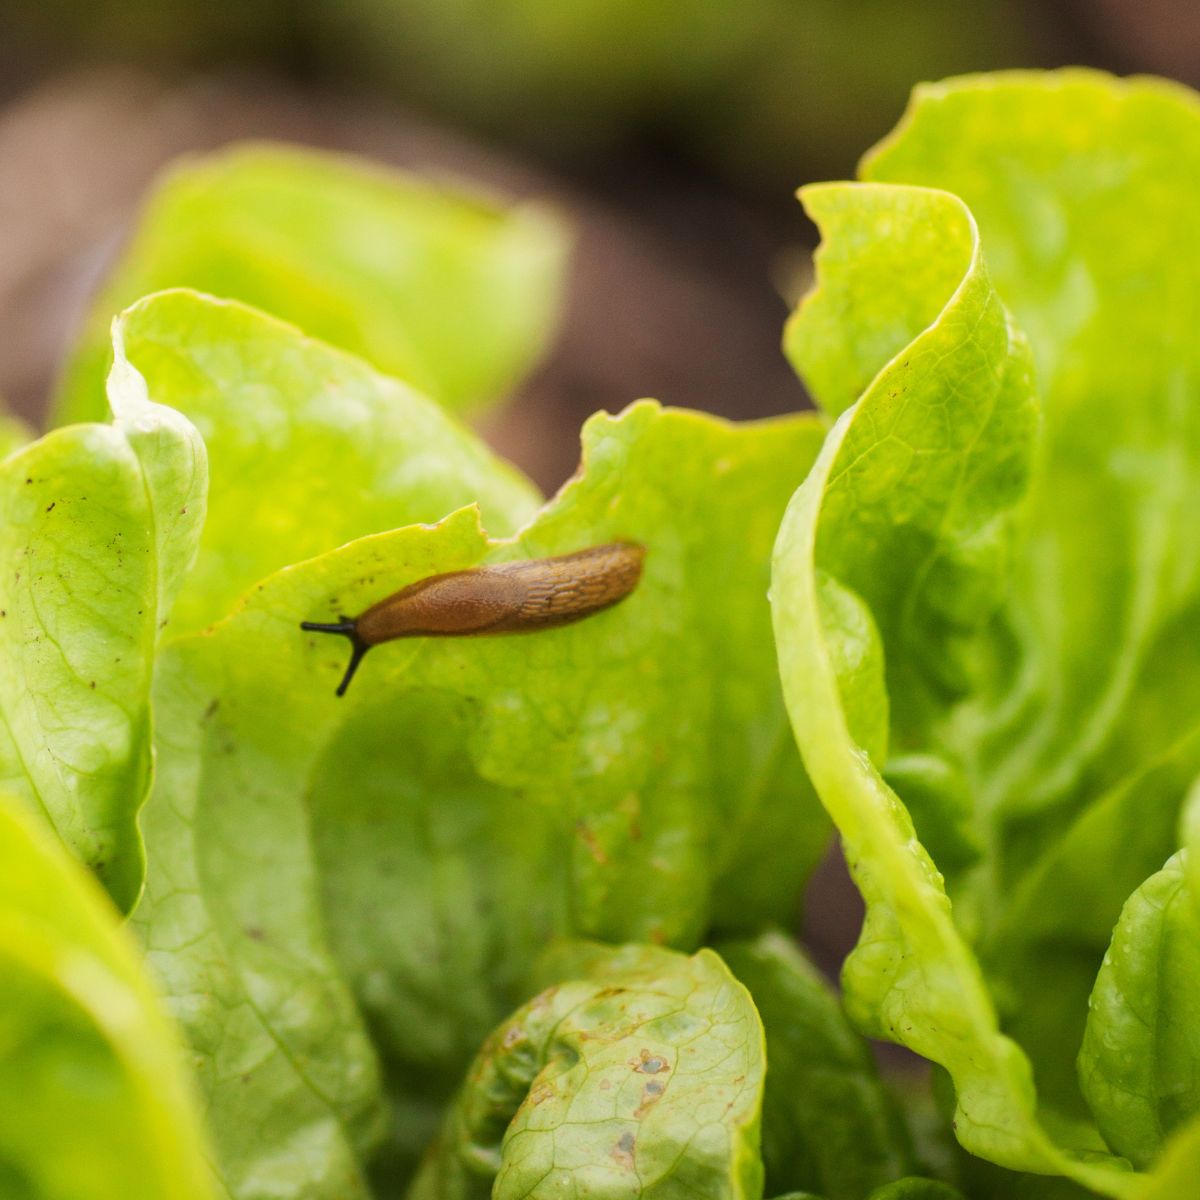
(1056, 927)
(411, 847)
(449, 291)
(98, 525)
(899, 537)
(1178, 1164)
(1045, 736)
(643, 1077)
(1076, 179)
(96, 1103)
(1141, 1050)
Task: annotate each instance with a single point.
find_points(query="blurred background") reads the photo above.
(672, 133)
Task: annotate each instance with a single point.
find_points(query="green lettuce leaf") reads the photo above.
(643, 1078)
(449, 291)
(98, 524)
(94, 1101)
(308, 446)
(415, 844)
(900, 537)
(1044, 952)
(1076, 181)
(828, 1124)
(1140, 1061)
(1178, 1165)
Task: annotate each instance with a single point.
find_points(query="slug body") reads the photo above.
(516, 597)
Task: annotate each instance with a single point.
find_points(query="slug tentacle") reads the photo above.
(515, 597)
(345, 625)
(358, 648)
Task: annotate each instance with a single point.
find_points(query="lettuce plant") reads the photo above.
(985, 599)
(511, 918)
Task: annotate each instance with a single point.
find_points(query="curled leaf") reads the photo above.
(98, 526)
(643, 1079)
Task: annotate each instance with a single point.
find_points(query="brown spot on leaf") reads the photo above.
(649, 1064)
(623, 1150)
(651, 1094)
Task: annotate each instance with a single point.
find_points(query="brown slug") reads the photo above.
(514, 597)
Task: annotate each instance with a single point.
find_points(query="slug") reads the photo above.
(515, 597)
